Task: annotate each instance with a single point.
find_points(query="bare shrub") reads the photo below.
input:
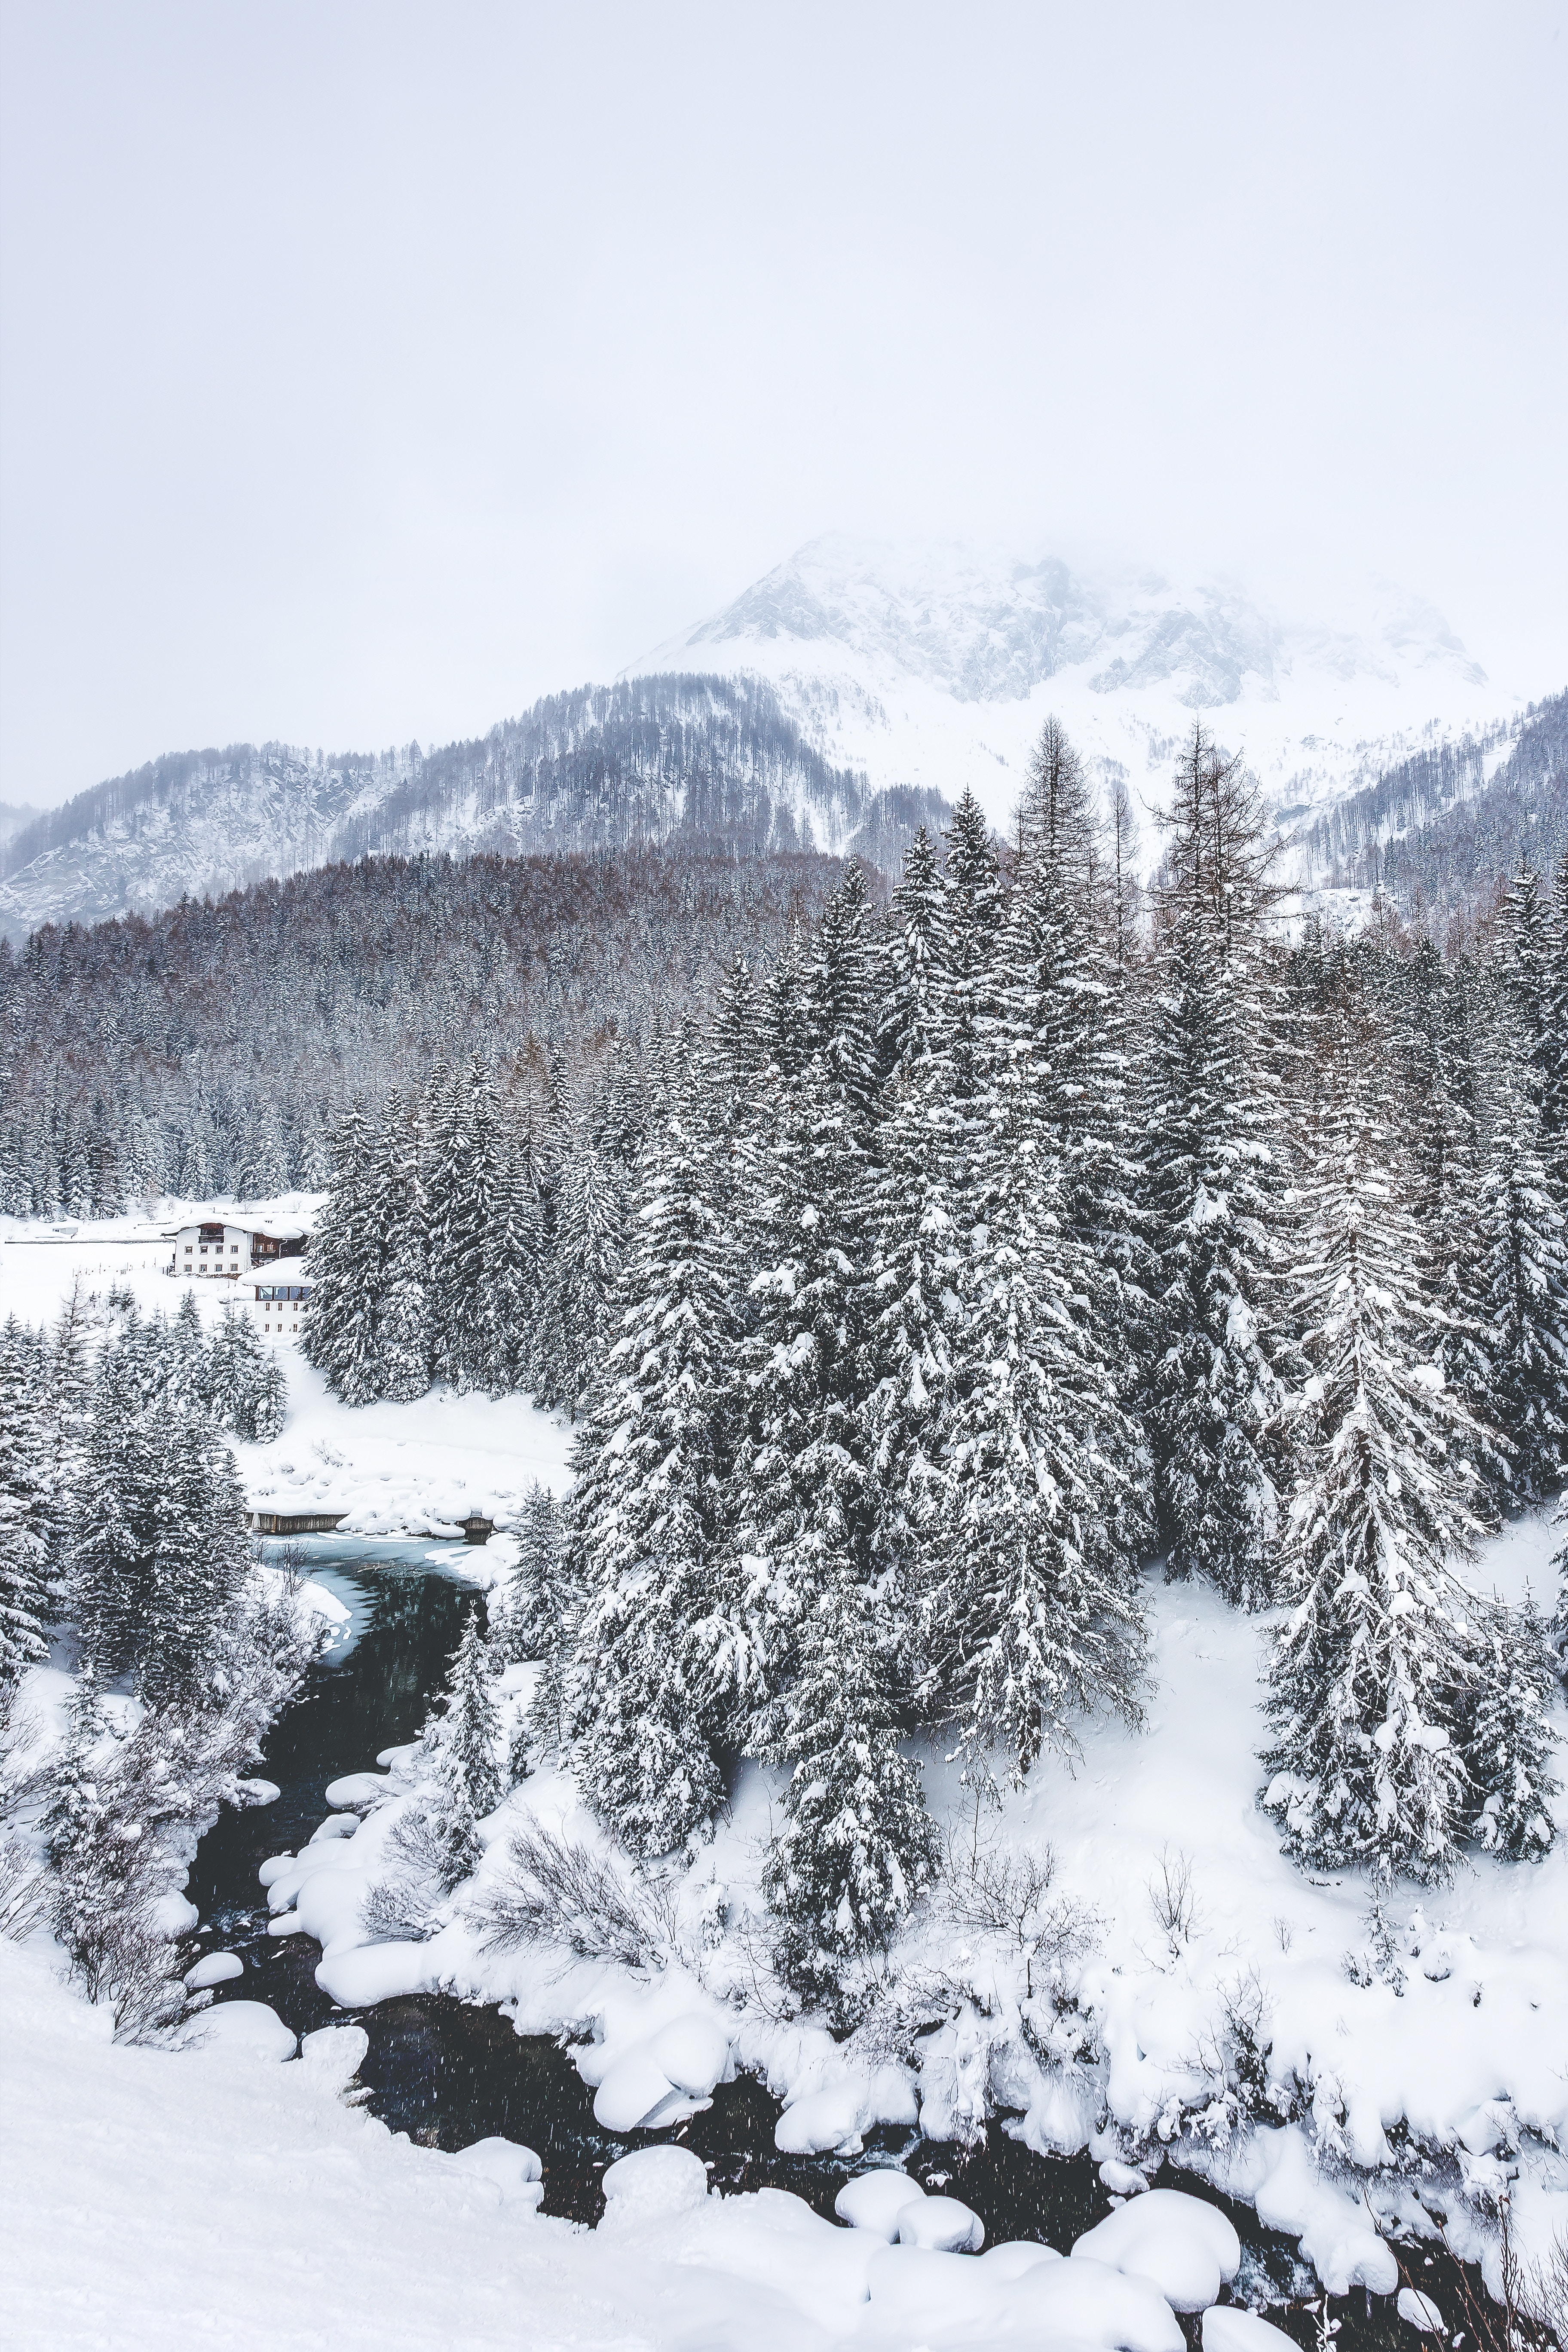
(24, 1886)
(558, 1892)
(995, 1890)
(1174, 1902)
(428, 1858)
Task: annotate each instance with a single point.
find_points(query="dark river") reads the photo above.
(449, 2073)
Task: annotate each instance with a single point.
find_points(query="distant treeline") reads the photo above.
(213, 1048)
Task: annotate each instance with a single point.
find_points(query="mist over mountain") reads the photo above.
(935, 664)
(851, 694)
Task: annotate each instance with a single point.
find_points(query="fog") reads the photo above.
(368, 371)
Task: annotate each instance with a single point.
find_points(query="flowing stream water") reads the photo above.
(448, 2071)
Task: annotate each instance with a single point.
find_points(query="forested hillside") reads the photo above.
(213, 1047)
(964, 1262)
(1440, 831)
(699, 760)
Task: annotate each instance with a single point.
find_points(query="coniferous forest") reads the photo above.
(974, 1252)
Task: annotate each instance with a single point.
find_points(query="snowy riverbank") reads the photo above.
(1267, 2038)
(1326, 2066)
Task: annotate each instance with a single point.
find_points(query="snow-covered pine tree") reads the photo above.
(246, 1393)
(114, 1541)
(200, 1557)
(484, 1342)
(469, 1730)
(184, 1358)
(811, 1526)
(397, 1213)
(842, 994)
(858, 1844)
(1523, 1303)
(1068, 1047)
(1213, 1184)
(1508, 1736)
(1554, 1036)
(581, 1276)
(526, 1615)
(512, 1253)
(911, 1217)
(26, 1508)
(1040, 1456)
(661, 1662)
(340, 1324)
(1372, 1670)
(448, 1150)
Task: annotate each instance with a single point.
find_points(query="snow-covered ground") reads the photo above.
(391, 1469)
(218, 2196)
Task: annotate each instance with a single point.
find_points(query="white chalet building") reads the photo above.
(262, 1256)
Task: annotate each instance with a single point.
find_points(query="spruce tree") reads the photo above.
(1214, 1186)
(340, 1325)
(246, 1390)
(911, 1216)
(403, 1333)
(27, 1507)
(469, 1730)
(526, 1615)
(660, 1662)
(1507, 1736)
(812, 1533)
(579, 1281)
(1040, 1456)
(1523, 1303)
(1371, 1672)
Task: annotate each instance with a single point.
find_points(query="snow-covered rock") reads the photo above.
(1186, 2246)
(512, 2168)
(218, 1967)
(244, 2028)
(654, 2184)
(1015, 2256)
(693, 2052)
(1228, 2329)
(637, 2094)
(874, 2200)
(943, 2223)
(1417, 2311)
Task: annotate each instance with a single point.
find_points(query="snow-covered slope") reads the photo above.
(697, 758)
(935, 664)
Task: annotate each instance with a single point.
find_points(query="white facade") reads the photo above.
(264, 1262)
(277, 1308)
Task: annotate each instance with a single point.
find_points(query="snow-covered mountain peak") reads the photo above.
(989, 626)
(932, 663)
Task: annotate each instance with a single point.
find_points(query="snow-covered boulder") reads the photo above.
(1015, 2256)
(1417, 2311)
(218, 1967)
(694, 2051)
(243, 2028)
(333, 2055)
(1187, 2247)
(943, 2223)
(653, 2184)
(1227, 2328)
(839, 2113)
(356, 1789)
(873, 2200)
(336, 1825)
(509, 2167)
(917, 2290)
(637, 2094)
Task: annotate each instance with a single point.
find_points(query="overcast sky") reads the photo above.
(368, 371)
